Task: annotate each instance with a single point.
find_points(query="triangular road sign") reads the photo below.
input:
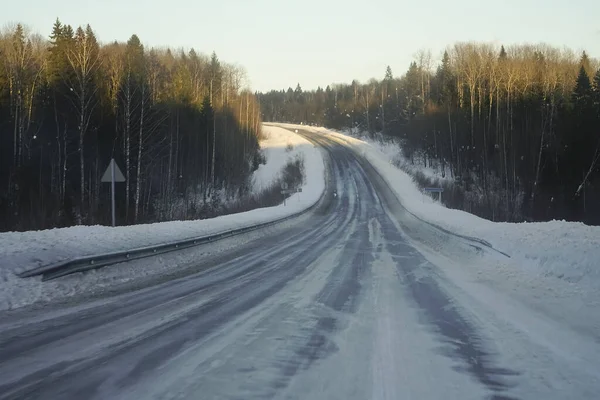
(107, 177)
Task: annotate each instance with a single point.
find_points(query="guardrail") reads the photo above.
(86, 263)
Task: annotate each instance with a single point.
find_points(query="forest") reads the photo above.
(181, 125)
(516, 128)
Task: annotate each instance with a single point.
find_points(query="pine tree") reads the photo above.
(445, 80)
(388, 74)
(61, 42)
(135, 57)
(68, 32)
(582, 94)
(502, 55)
(19, 38)
(57, 30)
(412, 89)
(596, 94)
(586, 64)
(55, 41)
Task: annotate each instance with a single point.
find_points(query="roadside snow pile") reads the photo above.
(569, 251)
(20, 251)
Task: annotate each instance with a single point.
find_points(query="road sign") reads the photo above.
(113, 174)
(288, 191)
(107, 177)
(284, 185)
(435, 190)
(297, 190)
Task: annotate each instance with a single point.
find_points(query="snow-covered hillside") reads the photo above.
(20, 251)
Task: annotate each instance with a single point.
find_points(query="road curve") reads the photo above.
(340, 306)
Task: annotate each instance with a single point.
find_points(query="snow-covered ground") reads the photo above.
(279, 146)
(20, 251)
(391, 150)
(554, 265)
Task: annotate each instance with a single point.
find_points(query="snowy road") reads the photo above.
(341, 306)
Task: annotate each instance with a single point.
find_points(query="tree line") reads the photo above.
(180, 124)
(517, 128)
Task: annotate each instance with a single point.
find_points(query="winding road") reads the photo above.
(342, 305)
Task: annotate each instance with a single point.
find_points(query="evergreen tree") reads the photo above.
(388, 74)
(584, 136)
(18, 39)
(582, 94)
(412, 90)
(135, 58)
(596, 93)
(586, 64)
(445, 81)
(56, 40)
(502, 55)
(298, 95)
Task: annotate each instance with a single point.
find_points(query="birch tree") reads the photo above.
(84, 60)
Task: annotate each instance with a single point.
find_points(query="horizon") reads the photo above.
(313, 46)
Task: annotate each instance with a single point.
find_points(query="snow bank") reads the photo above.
(20, 251)
(569, 251)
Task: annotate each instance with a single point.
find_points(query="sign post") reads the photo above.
(113, 174)
(112, 192)
(285, 190)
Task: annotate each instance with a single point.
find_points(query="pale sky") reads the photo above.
(319, 42)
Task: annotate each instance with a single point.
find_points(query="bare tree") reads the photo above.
(549, 69)
(84, 60)
(424, 63)
(114, 55)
